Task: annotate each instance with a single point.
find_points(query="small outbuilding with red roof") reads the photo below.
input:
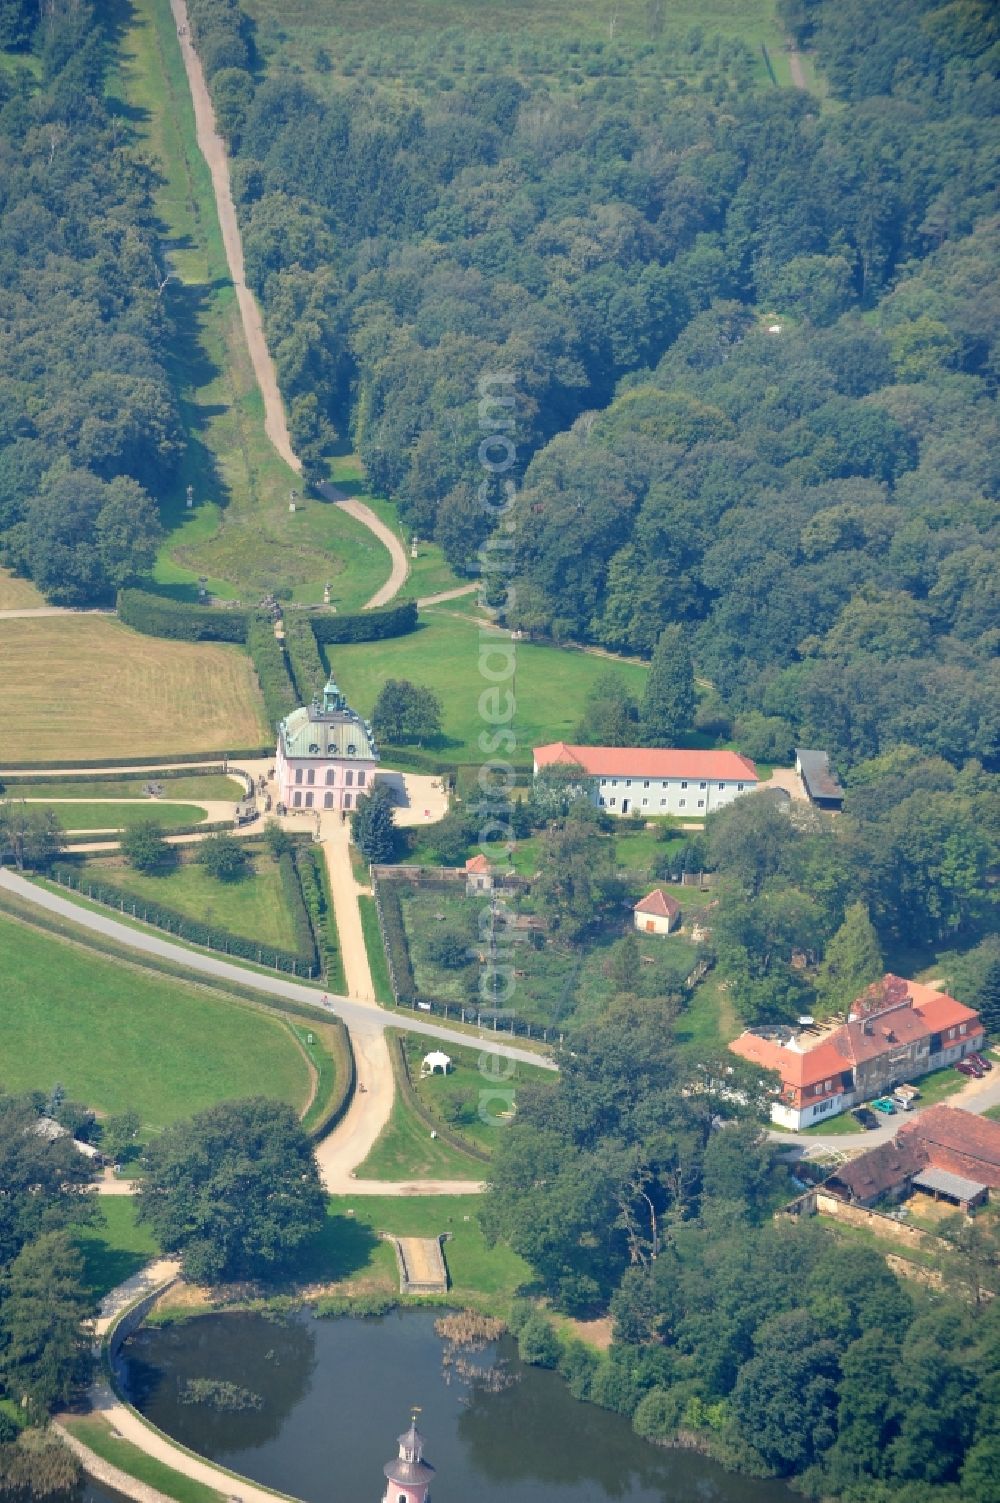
(657, 912)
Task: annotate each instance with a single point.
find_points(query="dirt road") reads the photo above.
(795, 66)
(213, 149)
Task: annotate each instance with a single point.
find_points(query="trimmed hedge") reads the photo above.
(188, 929)
(304, 657)
(114, 777)
(314, 880)
(146, 764)
(157, 616)
(209, 827)
(271, 666)
(291, 887)
(366, 626)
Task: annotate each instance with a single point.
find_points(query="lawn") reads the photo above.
(114, 816)
(115, 1246)
(709, 1020)
(118, 1037)
(240, 534)
(254, 907)
(550, 684)
(473, 1092)
(377, 963)
(430, 573)
(17, 594)
(95, 1431)
(214, 785)
(89, 688)
(348, 1251)
(406, 1150)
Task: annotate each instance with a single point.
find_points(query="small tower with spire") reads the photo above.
(409, 1475)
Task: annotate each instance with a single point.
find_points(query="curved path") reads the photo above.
(390, 541)
(213, 149)
(130, 1424)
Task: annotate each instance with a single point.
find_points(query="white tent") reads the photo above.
(436, 1063)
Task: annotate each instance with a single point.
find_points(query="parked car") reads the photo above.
(909, 1091)
(902, 1103)
(864, 1118)
(884, 1105)
(981, 1060)
(966, 1067)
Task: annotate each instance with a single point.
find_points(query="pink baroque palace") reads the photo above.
(326, 755)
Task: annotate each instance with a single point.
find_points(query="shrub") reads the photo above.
(223, 857)
(537, 1342)
(144, 846)
(291, 868)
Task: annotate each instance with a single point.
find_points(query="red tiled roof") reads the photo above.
(477, 864)
(649, 762)
(659, 903)
(916, 1012)
(951, 1129)
(796, 1068)
(941, 1011)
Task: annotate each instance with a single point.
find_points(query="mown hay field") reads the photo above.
(86, 688)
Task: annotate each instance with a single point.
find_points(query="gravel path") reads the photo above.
(213, 148)
(362, 1018)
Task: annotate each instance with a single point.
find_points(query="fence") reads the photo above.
(182, 927)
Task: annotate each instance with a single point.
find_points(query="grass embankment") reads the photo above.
(96, 1432)
(118, 1037)
(213, 785)
(550, 685)
(406, 1150)
(470, 1099)
(115, 1246)
(240, 533)
(254, 907)
(121, 816)
(88, 688)
(377, 963)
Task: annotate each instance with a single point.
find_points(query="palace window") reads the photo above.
(361, 777)
(309, 800)
(298, 774)
(347, 800)
(349, 776)
(297, 800)
(328, 801)
(331, 776)
(311, 775)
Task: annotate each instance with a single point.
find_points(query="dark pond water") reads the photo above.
(337, 1393)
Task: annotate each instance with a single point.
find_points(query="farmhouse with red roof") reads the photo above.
(641, 780)
(895, 1031)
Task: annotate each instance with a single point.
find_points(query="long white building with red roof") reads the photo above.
(650, 781)
(896, 1031)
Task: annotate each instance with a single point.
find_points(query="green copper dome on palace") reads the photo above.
(327, 728)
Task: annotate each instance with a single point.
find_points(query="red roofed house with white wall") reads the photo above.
(897, 1030)
(631, 779)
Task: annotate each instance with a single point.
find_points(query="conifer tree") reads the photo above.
(372, 828)
(988, 1001)
(853, 961)
(668, 703)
